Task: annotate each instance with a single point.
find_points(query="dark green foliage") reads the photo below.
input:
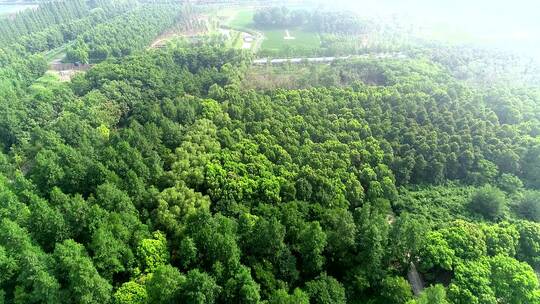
(165, 285)
(323, 22)
(488, 201)
(124, 35)
(529, 206)
(27, 22)
(79, 276)
(159, 178)
(199, 288)
(325, 290)
(395, 290)
(280, 17)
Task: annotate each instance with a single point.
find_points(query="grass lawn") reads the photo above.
(274, 39)
(242, 19)
(57, 53)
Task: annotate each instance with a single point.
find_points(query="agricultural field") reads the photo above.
(8, 9)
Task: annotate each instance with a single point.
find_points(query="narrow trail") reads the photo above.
(415, 280)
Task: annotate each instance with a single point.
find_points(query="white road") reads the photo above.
(262, 61)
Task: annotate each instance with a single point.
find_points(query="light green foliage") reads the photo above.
(501, 238)
(529, 243)
(435, 294)
(436, 252)
(467, 240)
(153, 252)
(176, 204)
(513, 281)
(131, 293)
(282, 297)
(471, 284)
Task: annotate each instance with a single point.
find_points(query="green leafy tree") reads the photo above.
(436, 252)
(198, 288)
(131, 293)
(471, 284)
(395, 290)
(502, 238)
(513, 281)
(164, 285)
(325, 290)
(312, 241)
(241, 288)
(529, 206)
(282, 297)
(466, 239)
(489, 201)
(153, 253)
(529, 243)
(83, 284)
(433, 294)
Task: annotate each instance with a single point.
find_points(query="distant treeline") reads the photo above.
(324, 22)
(30, 21)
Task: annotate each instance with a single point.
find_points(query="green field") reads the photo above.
(273, 41)
(241, 19)
(7, 9)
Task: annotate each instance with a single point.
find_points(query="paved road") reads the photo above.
(262, 61)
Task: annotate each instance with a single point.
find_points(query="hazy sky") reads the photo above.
(502, 23)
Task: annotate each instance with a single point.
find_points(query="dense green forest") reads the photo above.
(161, 176)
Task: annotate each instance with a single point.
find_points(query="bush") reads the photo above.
(529, 206)
(488, 201)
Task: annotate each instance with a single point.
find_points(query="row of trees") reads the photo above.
(35, 20)
(130, 32)
(58, 35)
(322, 22)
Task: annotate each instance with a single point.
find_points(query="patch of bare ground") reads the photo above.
(66, 71)
(195, 27)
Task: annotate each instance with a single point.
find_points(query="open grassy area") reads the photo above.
(242, 19)
(8, 9)
(274, 39)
